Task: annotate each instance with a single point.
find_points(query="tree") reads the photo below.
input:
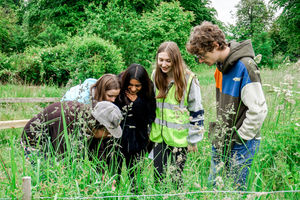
(201, 10)
(289, 25)
(252, 17)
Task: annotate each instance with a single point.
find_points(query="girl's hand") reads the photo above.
(132, 97)
(192, 148)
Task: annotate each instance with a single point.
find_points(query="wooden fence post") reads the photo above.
(26, 187)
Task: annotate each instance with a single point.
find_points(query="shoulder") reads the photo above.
(251, 68)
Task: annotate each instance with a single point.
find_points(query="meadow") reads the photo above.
(275, 167)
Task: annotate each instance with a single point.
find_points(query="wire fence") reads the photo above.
(171, 195)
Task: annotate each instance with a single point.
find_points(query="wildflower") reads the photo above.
(179, 158)
(219, 181)
(175, 150)
(258, 58)
(220, 166)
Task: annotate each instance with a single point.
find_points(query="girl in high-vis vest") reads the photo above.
(178, 126)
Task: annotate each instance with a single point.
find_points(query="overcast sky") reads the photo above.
(223, 8)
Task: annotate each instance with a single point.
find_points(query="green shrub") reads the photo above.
(79, 58)
(51, 36)
(140, 35)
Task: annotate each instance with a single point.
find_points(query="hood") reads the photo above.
(237, 50)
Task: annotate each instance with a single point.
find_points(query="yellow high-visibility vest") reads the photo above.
(172, 118)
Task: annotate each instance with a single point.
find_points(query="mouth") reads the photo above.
(164, 68)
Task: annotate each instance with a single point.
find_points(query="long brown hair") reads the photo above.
(178, 69)
(104, 83)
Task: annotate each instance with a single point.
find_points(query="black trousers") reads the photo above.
(169, 158)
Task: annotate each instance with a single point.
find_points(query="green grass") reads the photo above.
(275, 167)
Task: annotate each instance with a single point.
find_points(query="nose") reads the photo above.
(201, 60)
(164, 64)
(133, 88)
(111, 99)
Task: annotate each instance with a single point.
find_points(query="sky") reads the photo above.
(223, 8)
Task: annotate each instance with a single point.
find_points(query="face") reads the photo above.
(164, 62)
(209, 58)
(134, 86)
(111, 95)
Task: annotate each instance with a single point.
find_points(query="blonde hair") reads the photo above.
(178, 69)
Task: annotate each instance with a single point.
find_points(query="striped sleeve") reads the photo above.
(196, 128)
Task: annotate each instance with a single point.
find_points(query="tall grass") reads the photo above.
(275, 167)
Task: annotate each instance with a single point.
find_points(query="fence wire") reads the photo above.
(169, 195)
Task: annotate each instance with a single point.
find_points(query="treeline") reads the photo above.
(52, 41)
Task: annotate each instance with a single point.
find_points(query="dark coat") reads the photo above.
(138, 117)
(48, 124)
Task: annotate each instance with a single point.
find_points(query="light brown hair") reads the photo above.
(104, 83)
(204, 38)
(178, 69)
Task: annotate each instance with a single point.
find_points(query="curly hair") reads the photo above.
(204, 38)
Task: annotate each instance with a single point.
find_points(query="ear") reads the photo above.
(216, 45)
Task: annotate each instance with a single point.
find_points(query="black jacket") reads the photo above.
(137, 119)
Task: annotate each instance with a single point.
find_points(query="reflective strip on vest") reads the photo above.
(172, 118)
(172, 125)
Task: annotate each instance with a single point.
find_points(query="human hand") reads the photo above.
(192, 148)
(101, 133)
(132, 97)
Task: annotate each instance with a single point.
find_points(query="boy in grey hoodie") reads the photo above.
(241, 105)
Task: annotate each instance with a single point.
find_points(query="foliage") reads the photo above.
(79, 58)
(252, 17)
(139, 6)
(13, 4)
(289, 23)
(275, 166)
(167, 23)
(201, 9)
(262, 44)
(9, 31)
(252, 22)
(140, 36)
(39, 14)
(115, 24)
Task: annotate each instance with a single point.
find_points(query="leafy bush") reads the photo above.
(9, 31)
(79, 58)
(140, 35)
(167, 23)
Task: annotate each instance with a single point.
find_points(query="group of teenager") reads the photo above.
(123, 117)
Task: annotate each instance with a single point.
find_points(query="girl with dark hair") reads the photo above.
(137, 103)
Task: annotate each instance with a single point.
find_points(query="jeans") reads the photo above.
(238, 165)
